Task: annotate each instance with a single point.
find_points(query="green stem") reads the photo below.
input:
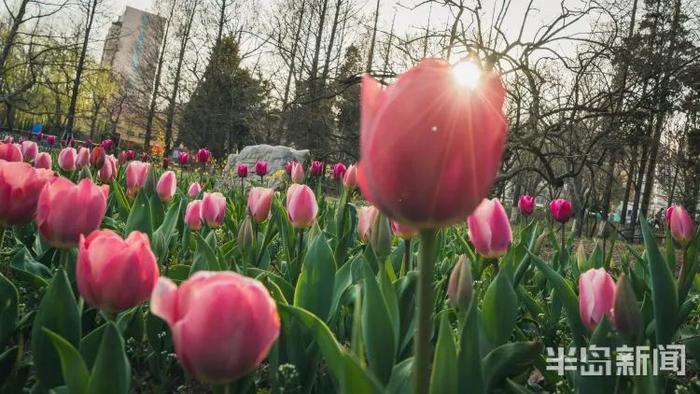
(2, 236)
(424, 309)
(406, 257)
(563, 244)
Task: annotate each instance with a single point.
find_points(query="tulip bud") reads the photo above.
(167, 184)
(10, 152)
(288, 167)
(365, 218)
(223, 324)
(130, 155)
(20, 187)
(67, 159)
(193, 215)
(260, 203)
(628, 319)
(194, 190)
(538, 243)
(245, 234)
(302, 207)
(83, 158)
(183, 158)
(561, 210)
(97, 157)
(43, 160)
(29, 150)
(380, 236)
(261, 168)
(51, 139)
(109, 169)
(213, 209)
(596, 290)
(489, 229)
(338, 171)
(108, 265)
(526, 205)
(242, 171)
(136, 176)
(460, 287)
(316, 168)
(107, 144)
(203, 155)
(350, 177)
(681, 225)
(581, 259)
(297, 174)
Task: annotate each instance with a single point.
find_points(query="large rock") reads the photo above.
(275, 156)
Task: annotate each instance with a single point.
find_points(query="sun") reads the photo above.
(466, 73)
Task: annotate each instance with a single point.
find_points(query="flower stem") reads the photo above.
(424, 309)
(563, 244)
(2, 236)
(406, 257)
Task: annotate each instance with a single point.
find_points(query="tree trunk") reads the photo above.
(334, 29)
(628, 187)
(12, 34)
(370, 54)
(222, 18)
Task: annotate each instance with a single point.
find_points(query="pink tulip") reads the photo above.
(526, 204)
(350, 177)
(194, 190)
(213, 209)
(10, 152)
(29, 150)
(288, 167)
(83, 157)
(561, 210)
(107, 144)
(301, 206)
(67, 210)
(430, 147)
(489, 229)
(596, 289)
(261, 168)
(260, 203)
(122, 157)
(403, 231)
(51, 139)
(338, 171)
(183, 158)
(242, 171)
(297, 175)
(20, 186)
(67, 159)
(460, 287)
(681, 225)
(109, 169)
(365, 218)
(166, 186)
(193, 215)
(223, 323)
(136, 175)
(114, 274)
(316, 168)
(43, 160)
(203, 155)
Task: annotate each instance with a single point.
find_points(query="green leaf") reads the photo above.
(75, 373)
(8, 310)
(507, 360)
(568, 298)
(351, 377)
(58, 312)
(140, 216)
(663, 288)
(111, 373)
(443, 378)
(204, 257)
(499, 310)
(120, 198)
(90, 345)
(470, 375)
(30, 270)
(377, 328)
(314, 291)
(343, 280)
(162, 236)
(401, 377)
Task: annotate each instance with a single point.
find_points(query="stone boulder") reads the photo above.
(275, 156)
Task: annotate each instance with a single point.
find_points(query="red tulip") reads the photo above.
(97, 157)
(596, 290)
(10, 152)
(403, 231)
(242, 171)
(261, 168)
(183, 158)
(203, 155)
(136, 175)
(115, 274)
(681, 224)
(297, 174)
(67, 210)
(20, 186)
(213, 209)
(67, 159)
(350, 177)
(83, 158)
(193, 215)
(122, 157)
(316, 168)
(526, 204)
(107, 144)
(29, 150)
(51, 139)
(365, 218)
(301, 206)
(561, 210)
(130, 155)
(223, 323)
(166, 186)
(43, 160)
(430, 147)
(194, 190)
(260, 203)
(489, 229)
(109, 169)
(338, 171)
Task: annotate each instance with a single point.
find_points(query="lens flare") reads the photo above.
(466, 73)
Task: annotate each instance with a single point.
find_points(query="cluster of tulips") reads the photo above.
(411, 280)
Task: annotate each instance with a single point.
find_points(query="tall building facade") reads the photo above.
(131, 51)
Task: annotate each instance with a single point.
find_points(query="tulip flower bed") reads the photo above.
(117, 276)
